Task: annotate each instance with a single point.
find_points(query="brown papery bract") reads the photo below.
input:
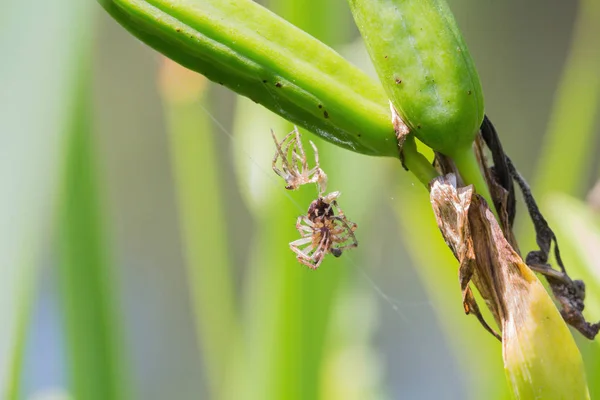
(540, 355)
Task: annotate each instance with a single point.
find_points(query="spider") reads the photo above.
(294, 166)
(323, 232)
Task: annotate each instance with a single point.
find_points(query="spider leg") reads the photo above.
(286, 172)
(306, 262)
(340, 213)
(303, 257)
(318, 175)
(295, 151)
(322, 250)
(287, 149)
(305, 230)
(278, 153)
(331, 206)
(331, 198)
(346, 234)
(302, 154)
(345, 240)
(300, 242)
(287, 165)
(302, 221)
(316, 152)
(303, 253)
(337, 233)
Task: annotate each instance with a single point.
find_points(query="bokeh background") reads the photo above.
(144, 236)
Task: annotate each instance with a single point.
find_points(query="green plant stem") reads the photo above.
(417, 163)
(469, 169)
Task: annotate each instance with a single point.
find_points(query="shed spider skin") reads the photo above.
(293, 167)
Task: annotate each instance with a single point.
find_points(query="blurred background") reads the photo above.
(144, 242)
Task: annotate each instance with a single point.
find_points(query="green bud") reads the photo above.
(425, 67)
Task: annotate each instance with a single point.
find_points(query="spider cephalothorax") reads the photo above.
(323, 231)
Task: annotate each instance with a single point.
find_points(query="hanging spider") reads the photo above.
(324, 229)
(294, 166)
(323, 232)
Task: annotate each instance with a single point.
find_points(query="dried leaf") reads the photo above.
(569, 293)
(451, 208)
(500, 170)
(486, 258)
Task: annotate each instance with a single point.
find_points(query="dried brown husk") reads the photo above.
(486, 258)
(540, 356)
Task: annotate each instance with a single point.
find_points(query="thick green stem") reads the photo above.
(417, 163)
(470, 171)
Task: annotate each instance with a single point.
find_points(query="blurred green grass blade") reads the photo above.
(33, 127)
(202, 219)
(264, 294)
(478, 353)
(89, 296)
(578, 229)
(25, 307)
(568, 146)
(259, 55)
(568, 149)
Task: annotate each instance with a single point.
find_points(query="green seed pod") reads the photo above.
(247, 48)
(425, 67)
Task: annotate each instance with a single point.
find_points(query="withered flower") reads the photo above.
(537, 345)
